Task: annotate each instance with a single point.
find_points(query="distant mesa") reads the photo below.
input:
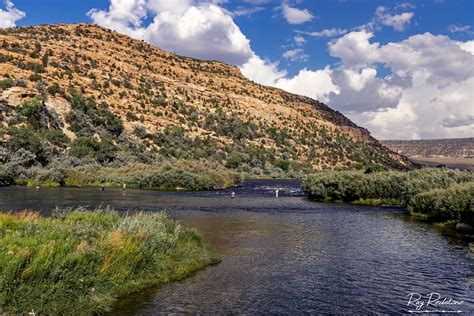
(450, 152)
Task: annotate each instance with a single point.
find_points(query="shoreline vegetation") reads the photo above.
(182, 175)
(435, 195)
(87, 260)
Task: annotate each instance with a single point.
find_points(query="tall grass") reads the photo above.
(438, 194)
(80, 262)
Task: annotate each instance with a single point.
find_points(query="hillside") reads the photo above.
(88, 93)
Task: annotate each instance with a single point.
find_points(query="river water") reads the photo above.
(287, 255)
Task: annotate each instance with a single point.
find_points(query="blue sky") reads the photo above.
(376, 61)
(271, 35)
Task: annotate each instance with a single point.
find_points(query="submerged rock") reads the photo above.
(463, 227)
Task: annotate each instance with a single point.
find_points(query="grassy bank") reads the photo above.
(80, 262)
(437, 195)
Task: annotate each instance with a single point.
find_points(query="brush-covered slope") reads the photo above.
(92, 94)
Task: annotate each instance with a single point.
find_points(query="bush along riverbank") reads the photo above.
(80, 262)
(437, 195)
(182, 175)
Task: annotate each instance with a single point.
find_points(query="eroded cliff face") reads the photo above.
(457, 148)
(155, 94)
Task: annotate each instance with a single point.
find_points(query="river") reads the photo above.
(286, 255)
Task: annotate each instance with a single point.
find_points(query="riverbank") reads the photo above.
(181, 176)
(83, 261)
(434, 195)
(184, 175)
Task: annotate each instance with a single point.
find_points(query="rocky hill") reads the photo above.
(88, 93)
(457, 148)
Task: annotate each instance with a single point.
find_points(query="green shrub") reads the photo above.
(32, 110)
(6, 84)
(80, 123)
(90, 147)
(103, 117)
(174, 179)
(24, 138)
(284, 164)
(57, 137)
(453, 203)
(51, 177)
(234, 160)
(131, 117)
(35, 67)
(97, 116)
(6, 177)
(430, 178)
(160, 101)
(350, 186)
(55, 89)
(5, 58)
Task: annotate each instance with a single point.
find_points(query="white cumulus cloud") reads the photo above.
(361, 90)
(201, 30)
(460, 29)
(441, 58)
(295, 15)
(398, 21)
(262, 71)
(315, 84)
(326, 32)
(299, 40)
(467, 46)
(354, 49)
(10, 15)
(427, 94)
(296, 54)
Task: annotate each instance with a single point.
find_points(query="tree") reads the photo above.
(89, 147)
(233, 160)
(283, 164)
(24, 138)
